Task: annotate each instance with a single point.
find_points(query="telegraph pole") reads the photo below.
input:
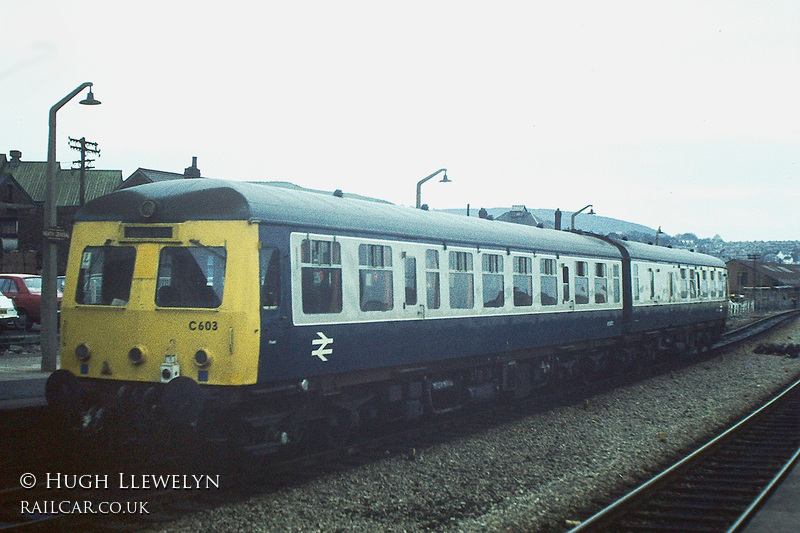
(84, 147)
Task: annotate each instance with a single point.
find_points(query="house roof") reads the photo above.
(31, 176)
(146, 175)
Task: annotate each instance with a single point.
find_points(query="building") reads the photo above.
(144, 175)
(22, 192)
(768, 285)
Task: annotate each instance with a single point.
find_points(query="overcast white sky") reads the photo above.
(680, 114)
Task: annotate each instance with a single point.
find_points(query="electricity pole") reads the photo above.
(84, 147)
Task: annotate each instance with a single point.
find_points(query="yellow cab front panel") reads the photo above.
(150, 302)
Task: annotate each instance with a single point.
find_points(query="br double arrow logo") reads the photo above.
(322, 342)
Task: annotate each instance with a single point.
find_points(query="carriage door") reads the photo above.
(412, 306)
(274, 315)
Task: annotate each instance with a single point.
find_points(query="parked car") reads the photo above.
(26, 292)
(8, 313)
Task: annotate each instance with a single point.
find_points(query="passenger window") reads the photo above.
(600, 283)
(321, 275)
(105, 275)
(549, 281)
(581, 282)
(411, 281)
(270, 276)
(523, 282)
(493, 285)
(462, 288)
(375, 281)
(432, 279)
(615, 283)
(692, 284)
(191, 276)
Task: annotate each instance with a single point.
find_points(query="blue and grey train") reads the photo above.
(264, 312)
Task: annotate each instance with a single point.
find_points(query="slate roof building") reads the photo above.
(22, 191)
(769, 285)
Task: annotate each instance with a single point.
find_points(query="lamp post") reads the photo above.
(572, 218)
(420, 182)
(49, 248)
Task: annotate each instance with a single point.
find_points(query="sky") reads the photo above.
(680, 114)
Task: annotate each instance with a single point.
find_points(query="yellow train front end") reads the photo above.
(155, 317)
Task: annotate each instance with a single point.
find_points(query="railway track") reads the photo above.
(720, 486)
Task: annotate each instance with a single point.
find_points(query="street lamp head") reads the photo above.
(90, 99)
(591, 211)
(445, 179)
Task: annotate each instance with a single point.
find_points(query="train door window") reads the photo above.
(432, 279)
(704, 284)
(671, 286)
(375, 277)
(105, 275)
(684, 285)
(565, 282)
(411, 280)
(462, 288)
(321, 275)
(615, 283)
(600, 283)
(712, 284)
(270, 276)
(191, 276)
(692, 284)
(549, 280)
(581, 282)
(652, 275)
(635, 282)
(493, 286)
(523, 282)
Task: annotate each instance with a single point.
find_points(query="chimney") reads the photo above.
(192, 171)
(557, 224)
(16, 157)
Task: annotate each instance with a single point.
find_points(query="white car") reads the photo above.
(8, 313)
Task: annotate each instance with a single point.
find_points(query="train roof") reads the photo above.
(211, 199)
(663, 254)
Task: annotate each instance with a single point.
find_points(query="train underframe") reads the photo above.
(259, 421)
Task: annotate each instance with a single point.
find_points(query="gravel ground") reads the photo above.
(535, 474)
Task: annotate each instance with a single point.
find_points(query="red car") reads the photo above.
(26, 292)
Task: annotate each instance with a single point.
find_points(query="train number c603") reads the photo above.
(203, 325)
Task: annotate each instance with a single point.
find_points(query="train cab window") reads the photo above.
(462, 284)
(432, 279)
(523, 282)
(321, 275)
(600, 283)
(549, 281)
(615, 283)
(105, 275)
(191, 276)
(581, 282)
(411, 280)
(493, 286)
(375, 277)
(270, 276)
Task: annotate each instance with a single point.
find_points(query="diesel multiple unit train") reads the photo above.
(263, 314)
